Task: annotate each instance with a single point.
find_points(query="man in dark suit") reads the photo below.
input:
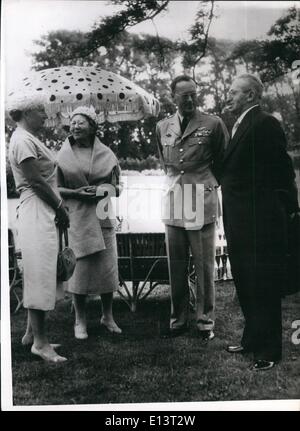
(259, 194)
(191, 146)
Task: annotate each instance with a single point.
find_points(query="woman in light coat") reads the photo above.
(85, 164)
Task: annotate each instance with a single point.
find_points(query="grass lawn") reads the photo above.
(139, 366)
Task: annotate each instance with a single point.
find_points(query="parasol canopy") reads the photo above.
(63, 89)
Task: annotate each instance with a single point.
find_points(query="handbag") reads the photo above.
(66, 260)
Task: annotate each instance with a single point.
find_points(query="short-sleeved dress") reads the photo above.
(37, 230)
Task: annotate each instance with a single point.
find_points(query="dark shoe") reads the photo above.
(176, 332)
(236, 349)
(262, 365)
(207, 335)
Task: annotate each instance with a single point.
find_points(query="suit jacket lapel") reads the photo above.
(246, 123)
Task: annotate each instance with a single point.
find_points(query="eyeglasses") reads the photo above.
(186, 96)
(233, 92)
(79, 123)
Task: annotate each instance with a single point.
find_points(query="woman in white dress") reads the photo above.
(40, 212)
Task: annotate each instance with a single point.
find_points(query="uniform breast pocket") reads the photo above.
(193, 141)
(198, 140)
(197, 148)
(168, 144)
(168, 149)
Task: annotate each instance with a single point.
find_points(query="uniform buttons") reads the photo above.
(181, 149)
(182, 172)
(181, 160)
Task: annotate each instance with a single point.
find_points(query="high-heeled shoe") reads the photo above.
(112, 327)
(48, 357)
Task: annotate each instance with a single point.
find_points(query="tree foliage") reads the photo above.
(272, 59)
(274, 56)
(152, 62)
(133, 12)
(134, 56)
(108, 31)
(195, 49)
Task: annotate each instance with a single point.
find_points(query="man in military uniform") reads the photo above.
(191, 146)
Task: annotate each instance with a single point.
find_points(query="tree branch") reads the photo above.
(160, 47)
(159, 10)
(210, 18)
(116, 24)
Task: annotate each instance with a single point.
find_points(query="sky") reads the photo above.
(24, 21)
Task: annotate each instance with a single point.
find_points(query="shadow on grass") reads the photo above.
(139, 366)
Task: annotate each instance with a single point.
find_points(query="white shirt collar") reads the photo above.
(239, 120)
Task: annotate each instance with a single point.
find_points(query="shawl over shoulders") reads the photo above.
(85, 234)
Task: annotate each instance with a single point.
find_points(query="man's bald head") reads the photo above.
(246, 91)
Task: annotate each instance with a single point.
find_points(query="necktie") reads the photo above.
(183, 124)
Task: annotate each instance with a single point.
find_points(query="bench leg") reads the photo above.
(18, 297)
(134, 299)
(131, 298)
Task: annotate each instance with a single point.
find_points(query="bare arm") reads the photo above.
(88, 193)
(69, 193)
(115, 180)
(31, 171)
(32, 174)
(82, 193)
